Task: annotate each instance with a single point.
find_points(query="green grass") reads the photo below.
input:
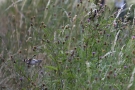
(80, 51)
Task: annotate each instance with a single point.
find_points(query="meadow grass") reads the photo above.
(81, 49)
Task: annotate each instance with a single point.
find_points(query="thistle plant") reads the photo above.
(76, 45)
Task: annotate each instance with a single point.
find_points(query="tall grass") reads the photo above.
(80, 46)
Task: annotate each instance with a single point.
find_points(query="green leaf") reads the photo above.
(52, 68)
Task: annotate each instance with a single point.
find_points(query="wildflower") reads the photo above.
(110, 72)
(20, 51)
(114, 24)
(21, 79)
(93, 53)
(125, 67)
(42, 73)
(88, 20)
(133, 37)
(108, 77)
(115, 74)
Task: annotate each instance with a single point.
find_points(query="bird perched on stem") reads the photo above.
(33, 61)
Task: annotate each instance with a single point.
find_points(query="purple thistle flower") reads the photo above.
(133, 37)
(21, 79)
(125, 67)
(115, 74)
(93, 53)
(88, 20)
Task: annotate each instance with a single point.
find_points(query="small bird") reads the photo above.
(121, 4)
(33, 61)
